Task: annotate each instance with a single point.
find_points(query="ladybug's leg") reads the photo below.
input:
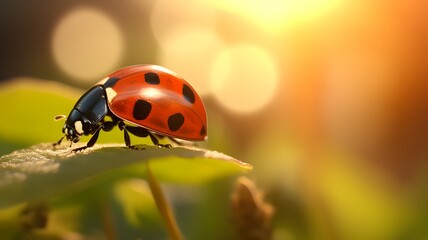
(105, 126)
(108, 126)
(156, 141)
(127, 138)
(175, 141)
(92, 141)
(158, 136)
(139, 132)
(59, 142)
(125, 130)
(142, 132)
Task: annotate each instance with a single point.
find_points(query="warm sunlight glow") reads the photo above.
(275, 14)
(86, 44)
(191, 52)
(167, 16)
(244, 78)
(185, 31)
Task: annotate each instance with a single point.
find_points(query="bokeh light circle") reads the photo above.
(244, 78)
(191, 52)
(167, 16)
(86, 44)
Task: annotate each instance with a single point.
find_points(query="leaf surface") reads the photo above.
(41, 171)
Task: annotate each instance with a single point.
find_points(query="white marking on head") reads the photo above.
(79, 127)
(110, 94)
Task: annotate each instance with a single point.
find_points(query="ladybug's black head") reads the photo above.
(76, 126)
(70, 133)
(86, 115)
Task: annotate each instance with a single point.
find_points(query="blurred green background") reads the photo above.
(326, 99)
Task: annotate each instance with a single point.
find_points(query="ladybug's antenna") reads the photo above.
(60, 117)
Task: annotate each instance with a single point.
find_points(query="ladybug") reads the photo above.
(144, 100)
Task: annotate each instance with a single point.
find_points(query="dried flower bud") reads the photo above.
(252, 215)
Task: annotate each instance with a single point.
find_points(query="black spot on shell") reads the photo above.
(152, 78)
(203, 131)
(188, 94)
(142, 109)
(175, 121)
(111, 82)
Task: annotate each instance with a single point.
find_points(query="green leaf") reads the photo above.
(40, 171)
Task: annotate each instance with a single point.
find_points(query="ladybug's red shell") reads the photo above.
(155, 98)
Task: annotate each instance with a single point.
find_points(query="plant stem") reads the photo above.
(163, 207)
(107, 221)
